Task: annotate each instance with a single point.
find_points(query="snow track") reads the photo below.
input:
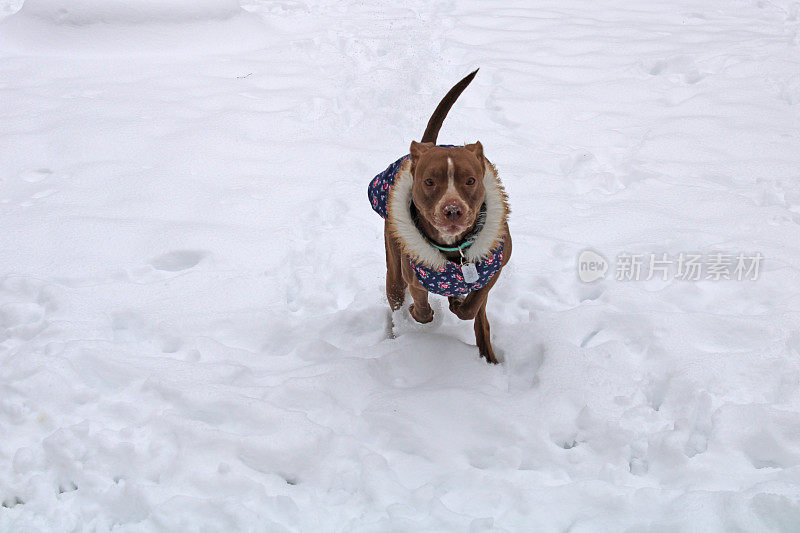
(193, 331)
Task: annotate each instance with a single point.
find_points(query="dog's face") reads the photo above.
(448, 188)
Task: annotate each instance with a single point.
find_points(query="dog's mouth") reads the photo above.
(452, 232)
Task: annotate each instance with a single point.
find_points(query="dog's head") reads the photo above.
(448, 188)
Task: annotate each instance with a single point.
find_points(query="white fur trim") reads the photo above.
(417, 246)
(496, 213)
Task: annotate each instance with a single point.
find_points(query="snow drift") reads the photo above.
(99, 27)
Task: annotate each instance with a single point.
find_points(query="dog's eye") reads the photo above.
(470, 181)
(429, 182)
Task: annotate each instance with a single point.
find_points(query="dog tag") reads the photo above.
(470, 272)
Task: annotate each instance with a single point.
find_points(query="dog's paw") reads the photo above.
(487, 353)
(422, 316)
(458, 308)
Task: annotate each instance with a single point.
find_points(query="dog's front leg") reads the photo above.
(420, 309)
(395, 283)
(468, 307)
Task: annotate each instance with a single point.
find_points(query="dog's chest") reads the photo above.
(449, 279)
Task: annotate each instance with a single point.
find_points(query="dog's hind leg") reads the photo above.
(395, 284)
(482, 335)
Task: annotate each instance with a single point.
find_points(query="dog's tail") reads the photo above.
(435, 123)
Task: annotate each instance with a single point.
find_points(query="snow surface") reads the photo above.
(127, 28)
(193, 332)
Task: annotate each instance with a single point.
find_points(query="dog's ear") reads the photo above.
(417, 149)
(477, 149)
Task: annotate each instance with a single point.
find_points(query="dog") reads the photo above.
(446, 225)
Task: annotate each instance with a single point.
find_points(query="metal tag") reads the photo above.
(470, 272)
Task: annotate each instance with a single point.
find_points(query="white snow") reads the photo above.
(193, 329)
(88, 28)
(81, 12)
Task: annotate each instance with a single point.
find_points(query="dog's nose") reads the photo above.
(452, 212)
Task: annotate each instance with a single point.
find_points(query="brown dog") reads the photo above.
(446, 228)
